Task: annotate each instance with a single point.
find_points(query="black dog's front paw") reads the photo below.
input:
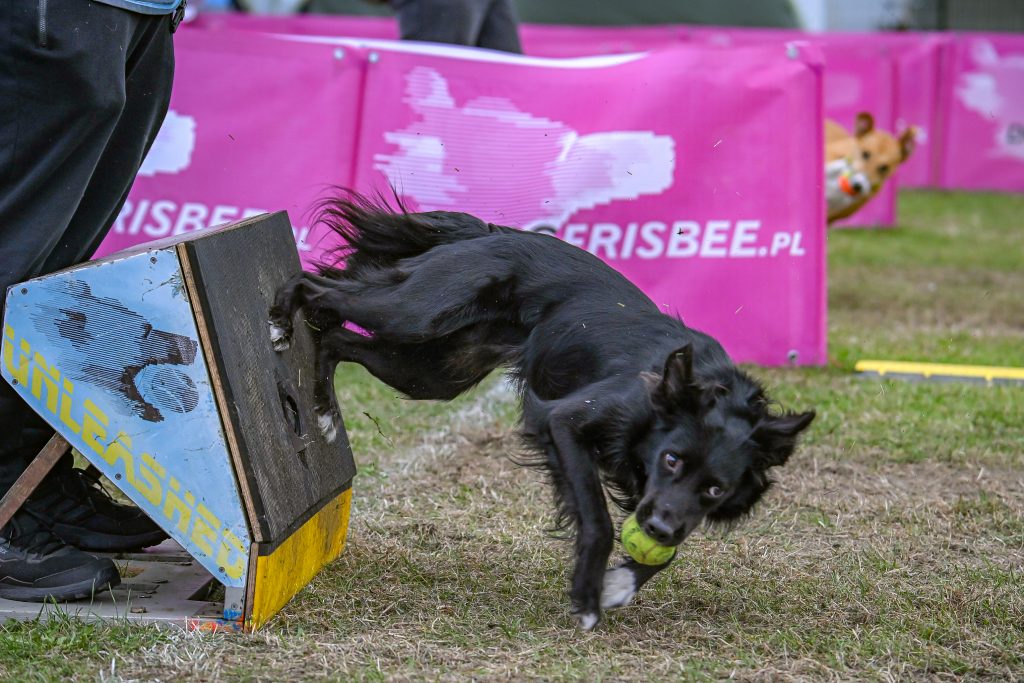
(620, 586)
(587, 621)
(586, 608)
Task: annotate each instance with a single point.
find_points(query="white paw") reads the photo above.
(587, 620)
(325, 422)
(619, 588)
(279, 337)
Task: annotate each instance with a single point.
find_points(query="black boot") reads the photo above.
(37, 566)
(82, 513)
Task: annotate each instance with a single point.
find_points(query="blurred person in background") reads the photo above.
(490, 24)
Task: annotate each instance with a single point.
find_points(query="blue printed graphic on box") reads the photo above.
(109, 355)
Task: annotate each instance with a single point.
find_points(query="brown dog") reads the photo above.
(871, 156)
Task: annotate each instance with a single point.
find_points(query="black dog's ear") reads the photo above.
(676, 387)
(776, 435)
(678, 373)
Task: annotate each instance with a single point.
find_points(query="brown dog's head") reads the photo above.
(878, 152)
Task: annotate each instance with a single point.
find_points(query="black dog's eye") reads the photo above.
(865, 155)
(672, 461)
(715, 492)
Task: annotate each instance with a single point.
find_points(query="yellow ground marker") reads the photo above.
(940, 371)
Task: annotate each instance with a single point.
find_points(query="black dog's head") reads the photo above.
(710, 448)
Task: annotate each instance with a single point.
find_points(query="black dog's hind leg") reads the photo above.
(622, 581)
(420, 371)
(325, 400)
(427, 298)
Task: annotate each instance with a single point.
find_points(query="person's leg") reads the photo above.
(52, 130)
(149, 71)
(500, 28)
(440, 21)
(62, 99)
(63, 72)
(80, 511)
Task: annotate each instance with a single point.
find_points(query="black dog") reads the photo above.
(616, 395)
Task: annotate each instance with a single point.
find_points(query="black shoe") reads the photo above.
(83, 514)
(37, 566)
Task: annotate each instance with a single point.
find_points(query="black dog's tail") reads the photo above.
(377, 236)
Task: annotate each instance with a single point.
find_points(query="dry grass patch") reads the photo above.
(852, 571)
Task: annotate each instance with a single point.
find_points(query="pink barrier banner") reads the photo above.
(851, 78)
(853, 83)
(912, 71)
(918, 63)
(860, 75)
(255, 124)
(915, 84)
(598, 151)
(863, 78)
(712, 208)
(983, 98)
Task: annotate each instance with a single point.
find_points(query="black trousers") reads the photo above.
(84, 88)
(478, 23)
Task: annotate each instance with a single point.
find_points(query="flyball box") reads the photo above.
(156, 365)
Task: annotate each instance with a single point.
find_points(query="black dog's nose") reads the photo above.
(656, 528)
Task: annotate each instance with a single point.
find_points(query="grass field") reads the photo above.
(892, 548)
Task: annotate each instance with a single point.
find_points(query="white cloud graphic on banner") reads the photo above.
(996, 91)
(172, 150)
(491, 159)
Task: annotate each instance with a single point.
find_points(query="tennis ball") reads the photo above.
(642, 547)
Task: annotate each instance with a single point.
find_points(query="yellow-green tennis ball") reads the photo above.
(642, 547)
